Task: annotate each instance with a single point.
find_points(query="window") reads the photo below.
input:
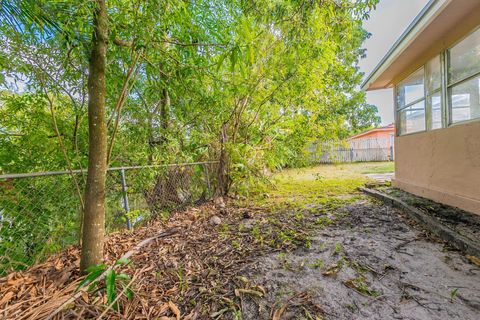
(464, 100)
(445, 91)
(433, 74)
(433, 79)
(411, 103)
(464, 79)
(411, 89)
(435, 106)
(412, 119)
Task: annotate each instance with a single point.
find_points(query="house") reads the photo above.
(434, 68)
(381, 137)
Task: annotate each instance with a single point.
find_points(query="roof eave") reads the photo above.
(361, 134)
(423, 19)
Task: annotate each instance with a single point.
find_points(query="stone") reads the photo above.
(247, 215)
(215, 220)
(219, 203)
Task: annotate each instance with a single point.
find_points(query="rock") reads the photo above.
(247, 215)
(215, 220)
(248, 224)
(219, 203)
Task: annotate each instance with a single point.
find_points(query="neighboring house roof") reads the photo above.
(438, 26)
(387, 129)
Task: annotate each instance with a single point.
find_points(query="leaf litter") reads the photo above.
(367, 263)
(194, 273)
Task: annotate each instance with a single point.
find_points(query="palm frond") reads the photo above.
(24, 14)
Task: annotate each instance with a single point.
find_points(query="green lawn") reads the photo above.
(379, 167)
(323, 184)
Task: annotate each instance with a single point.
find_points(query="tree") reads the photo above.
(94, 215)
(252, 83)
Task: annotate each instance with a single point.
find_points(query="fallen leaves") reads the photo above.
(6, 298)
(474, 260)
(239, 292)
(332, 270)
(300, 303)
(277, 314)
(176, 311)
(193, 274)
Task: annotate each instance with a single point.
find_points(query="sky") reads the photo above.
(386, 24)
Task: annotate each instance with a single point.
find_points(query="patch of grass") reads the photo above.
(338, 249)
(317, 264)
(323, 221)
(380, 167)
(325, 185)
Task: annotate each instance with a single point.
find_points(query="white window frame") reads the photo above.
(449, 86)
(399, 109)
(445, 93)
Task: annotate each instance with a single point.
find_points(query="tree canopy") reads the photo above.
(251, 83)
(275, 74)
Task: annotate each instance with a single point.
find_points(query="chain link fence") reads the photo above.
(40, 213)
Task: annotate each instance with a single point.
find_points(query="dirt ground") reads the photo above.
(370, 263)
(464, 223)
(309, 247)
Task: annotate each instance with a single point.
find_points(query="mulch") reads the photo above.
(193, 273)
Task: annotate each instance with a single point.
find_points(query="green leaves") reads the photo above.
(111, 286)
(93, 273)
(112, 280)
(234, 58)
(277, 74)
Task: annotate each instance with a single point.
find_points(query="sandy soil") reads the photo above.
(370, 263)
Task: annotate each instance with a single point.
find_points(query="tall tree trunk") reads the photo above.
(94, 216)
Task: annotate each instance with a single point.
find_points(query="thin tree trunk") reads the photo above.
(94, 216)
(164, 111)
(222, 173)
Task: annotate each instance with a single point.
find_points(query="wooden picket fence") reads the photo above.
(358, 150)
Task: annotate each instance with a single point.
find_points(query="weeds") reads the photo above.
(453, 294)
(284, 262)
(359, 284)
(323, 221)
(317, 264)
(338, 249)
(109, 286)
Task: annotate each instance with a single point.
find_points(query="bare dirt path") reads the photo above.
(370, 264)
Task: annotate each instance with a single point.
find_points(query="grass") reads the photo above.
(331, 185)
(382, 167)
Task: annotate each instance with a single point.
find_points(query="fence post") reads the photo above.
(126, 206)
(207, 178)
(392, 153)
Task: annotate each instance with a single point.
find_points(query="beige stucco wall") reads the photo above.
(443, 165)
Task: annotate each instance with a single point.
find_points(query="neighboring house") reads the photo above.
(374, 138)
(435, 70)
(371, 145)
